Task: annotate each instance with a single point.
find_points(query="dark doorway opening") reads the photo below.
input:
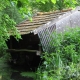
(24, 60)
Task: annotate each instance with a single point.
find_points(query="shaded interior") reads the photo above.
(23, 59)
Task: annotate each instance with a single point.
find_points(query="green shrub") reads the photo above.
(63, 63)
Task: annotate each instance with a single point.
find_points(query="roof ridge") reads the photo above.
(44, 13)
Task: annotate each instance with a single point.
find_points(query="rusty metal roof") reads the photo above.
(40, 19)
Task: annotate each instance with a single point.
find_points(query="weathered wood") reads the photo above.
(20, 50)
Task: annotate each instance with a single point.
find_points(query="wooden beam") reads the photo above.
(20, 50)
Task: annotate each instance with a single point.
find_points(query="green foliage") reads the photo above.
(5, 71)
(7, 21)
(29, 74)
(13, 13)
(50, 5)
(78, 1)
(7, 25)
(63, 63)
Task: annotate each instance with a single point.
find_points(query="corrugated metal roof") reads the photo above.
(40, 19)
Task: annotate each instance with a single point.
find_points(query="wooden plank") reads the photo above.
(38, 21)
(28, 27)
(47, 14)
(20, 50)
(23, 33)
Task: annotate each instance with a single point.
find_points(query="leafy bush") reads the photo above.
(63, 63)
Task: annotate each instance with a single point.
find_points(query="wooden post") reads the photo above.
(20, 50)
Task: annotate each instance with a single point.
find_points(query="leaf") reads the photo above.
(53, 1)
(37, 0)
(43, 1)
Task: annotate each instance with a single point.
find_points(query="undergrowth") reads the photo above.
(64, 60)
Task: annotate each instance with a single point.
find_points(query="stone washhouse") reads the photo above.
(36, 35)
